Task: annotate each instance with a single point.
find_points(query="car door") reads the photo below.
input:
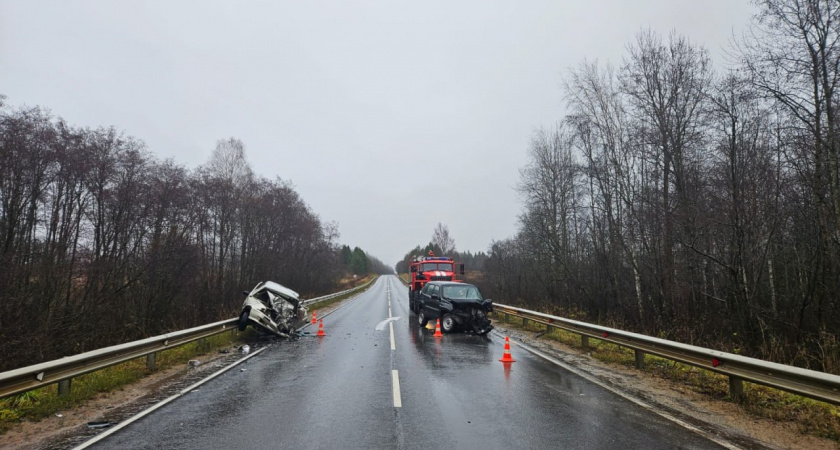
(423, 298)
(433, 305)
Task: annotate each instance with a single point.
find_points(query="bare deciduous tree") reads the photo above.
(666, 84)
(442, 241)
(104, 243)
(602, 134)
(549, 187)
(704, 209)
(793, 57)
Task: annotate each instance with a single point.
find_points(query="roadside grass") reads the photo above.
(43, 402)
(810, 416)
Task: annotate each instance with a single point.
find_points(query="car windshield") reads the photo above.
(447, 267)
(466, 292)
(263, 296)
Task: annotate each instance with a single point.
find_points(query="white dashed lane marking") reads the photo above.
(395, 376)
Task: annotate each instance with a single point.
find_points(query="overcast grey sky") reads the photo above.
(388, 117)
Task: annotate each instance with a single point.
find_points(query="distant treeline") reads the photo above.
(471, 261)
(101, 242)
(358, 262)
(690, 204)
(443, 244)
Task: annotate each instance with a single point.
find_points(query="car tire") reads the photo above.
(422, 320)
(447, 323)
(243, 320)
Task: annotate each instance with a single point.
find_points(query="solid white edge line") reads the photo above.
(152, 408)
(635, 400)
(395, 377)
(393, 343)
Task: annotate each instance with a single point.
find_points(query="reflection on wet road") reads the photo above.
(378, 383)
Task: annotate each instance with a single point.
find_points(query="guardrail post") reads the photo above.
(736, 387)
(64, 387)
(507, 318)
(150, 361)
(524, 322)
(584, 341)
(202, 345)
(640, 359)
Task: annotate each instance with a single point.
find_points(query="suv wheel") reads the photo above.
(422, 320)
(447, 323)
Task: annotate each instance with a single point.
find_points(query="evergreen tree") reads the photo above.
(359, 262)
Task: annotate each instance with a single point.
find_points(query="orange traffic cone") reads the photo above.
(321, 328)
(314, 315)
(506, 356)
(437, 330)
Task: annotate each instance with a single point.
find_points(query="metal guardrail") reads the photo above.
(313, 301)
(62, 370)
(808, 383)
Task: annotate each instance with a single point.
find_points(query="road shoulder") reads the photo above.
(724, 419)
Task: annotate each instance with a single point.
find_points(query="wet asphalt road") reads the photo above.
(337, 392)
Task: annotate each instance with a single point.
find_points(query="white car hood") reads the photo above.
(278, 289)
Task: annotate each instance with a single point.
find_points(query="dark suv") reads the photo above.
(457, 305)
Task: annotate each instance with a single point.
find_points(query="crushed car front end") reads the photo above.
(272, 308)
(472, 315)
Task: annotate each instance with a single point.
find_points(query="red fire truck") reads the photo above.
(423, 269)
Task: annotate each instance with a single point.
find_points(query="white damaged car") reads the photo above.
(272, 307)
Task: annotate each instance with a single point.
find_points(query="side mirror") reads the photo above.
(414, 268)
(462, 269)
(245, 293)
(435, 297)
